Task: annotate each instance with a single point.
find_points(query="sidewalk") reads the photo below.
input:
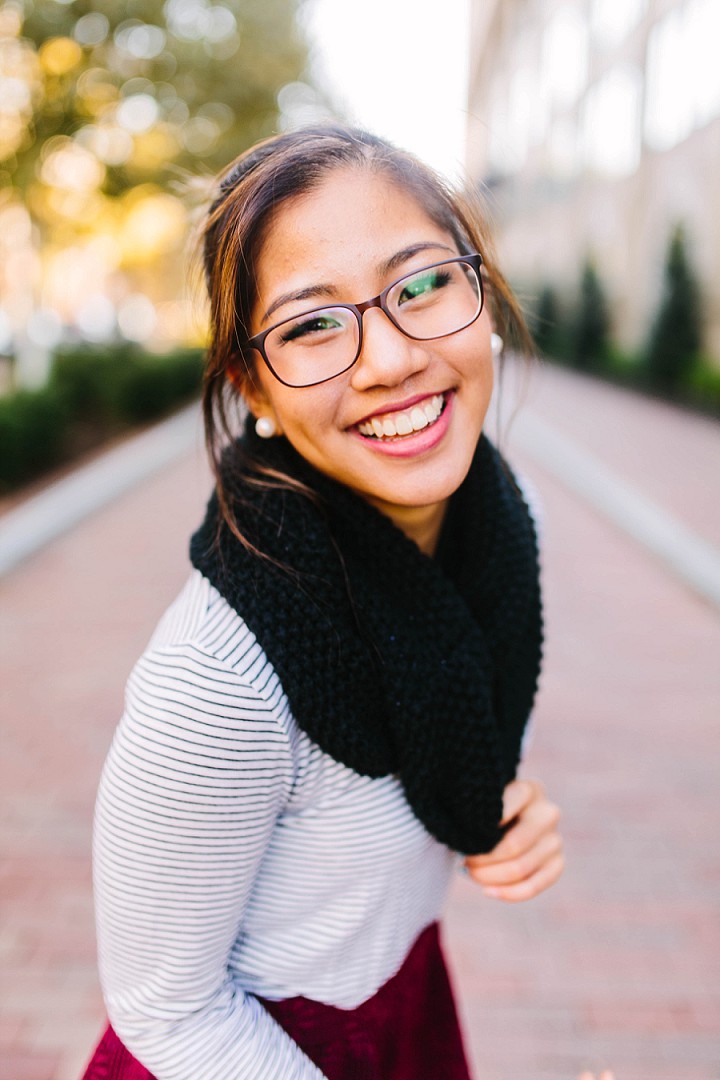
(72, 622)
(615, 966)
(618, 964)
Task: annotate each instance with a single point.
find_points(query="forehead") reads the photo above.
(353, 221)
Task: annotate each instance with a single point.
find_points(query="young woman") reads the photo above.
(333, 708)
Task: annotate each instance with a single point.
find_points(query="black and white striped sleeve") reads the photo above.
(199, 770)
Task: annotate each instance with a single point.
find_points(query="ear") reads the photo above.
(254, 395)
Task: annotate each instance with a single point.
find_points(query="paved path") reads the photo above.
(616, 965)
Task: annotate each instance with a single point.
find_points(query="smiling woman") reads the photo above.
(423, 338)
(329, 719)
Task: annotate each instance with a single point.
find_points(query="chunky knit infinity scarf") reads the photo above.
(392, 662)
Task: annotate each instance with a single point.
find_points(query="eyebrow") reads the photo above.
(314, 292)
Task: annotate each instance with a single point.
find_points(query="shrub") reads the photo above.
(676, 336)
(92, 393)
(591, 334)
(89, 378)
(150, 386)
(124, 385)
(704, 386)
(546, 320)
(33, 426)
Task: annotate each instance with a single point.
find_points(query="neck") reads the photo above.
(419, 523)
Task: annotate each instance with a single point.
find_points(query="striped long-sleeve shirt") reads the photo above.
(233, 858)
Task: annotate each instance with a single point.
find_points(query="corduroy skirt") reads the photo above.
(408, 1030)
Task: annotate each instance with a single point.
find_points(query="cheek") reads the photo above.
(307, 413)
(474, 356)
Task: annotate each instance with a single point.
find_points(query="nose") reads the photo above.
(387, 357)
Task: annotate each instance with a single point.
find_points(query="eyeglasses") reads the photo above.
(321, 344)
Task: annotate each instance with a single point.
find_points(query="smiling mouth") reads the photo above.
(405, 422)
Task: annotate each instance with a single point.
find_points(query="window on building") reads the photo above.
(565, 57)
(512, 115)
(682, 89)
(702, 31)
(611, 126)
(612, 20)
(562, 157)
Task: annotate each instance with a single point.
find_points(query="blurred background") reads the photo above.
(591, 130)
(596, 127)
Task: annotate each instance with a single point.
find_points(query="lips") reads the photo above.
(402, 422)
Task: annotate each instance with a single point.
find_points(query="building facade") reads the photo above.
(594, 126)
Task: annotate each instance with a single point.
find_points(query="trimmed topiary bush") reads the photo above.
(676, 337)
(551, 327)
(546, 321)
(591, 334)
(93, 393)
(33, 427)
(124, 385)
(89, 378)
(150, 386)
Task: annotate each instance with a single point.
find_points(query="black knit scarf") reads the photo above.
(393, 662)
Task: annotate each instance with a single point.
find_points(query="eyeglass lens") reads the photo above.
(320, 344)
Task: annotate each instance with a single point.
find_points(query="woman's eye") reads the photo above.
(423, 285)
(316, 324)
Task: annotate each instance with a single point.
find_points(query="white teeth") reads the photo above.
(404, 423)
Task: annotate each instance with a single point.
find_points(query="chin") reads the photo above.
(421, 492)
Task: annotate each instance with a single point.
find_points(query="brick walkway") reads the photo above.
(617, 965)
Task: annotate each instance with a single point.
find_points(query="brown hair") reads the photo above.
(251, 191)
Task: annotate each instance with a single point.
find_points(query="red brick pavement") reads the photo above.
(671, 455)
(616, 965)
(619, 963)
(72, 622)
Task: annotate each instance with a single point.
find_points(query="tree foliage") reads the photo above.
(676, 336)
(141, 85)
(548, 324)
(592, 327)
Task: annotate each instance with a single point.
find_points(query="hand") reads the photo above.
(603, 1076)
(529, 857)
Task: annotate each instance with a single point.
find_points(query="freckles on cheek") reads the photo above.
(306, 416)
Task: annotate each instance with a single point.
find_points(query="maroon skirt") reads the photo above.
(408, 1030)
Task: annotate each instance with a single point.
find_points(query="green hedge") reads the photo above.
(92, 394)
(33, 424)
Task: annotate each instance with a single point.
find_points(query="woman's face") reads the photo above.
(334, 245)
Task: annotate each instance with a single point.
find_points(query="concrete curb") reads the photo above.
(34, 524)
(689, 556)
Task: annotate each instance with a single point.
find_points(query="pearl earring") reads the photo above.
(265, 427)
(496, 344)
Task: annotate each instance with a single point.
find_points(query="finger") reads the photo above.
(522, 867)
(517, 795)
(532, 886)
(539, 818)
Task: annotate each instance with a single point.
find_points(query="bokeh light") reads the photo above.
(104, 110)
